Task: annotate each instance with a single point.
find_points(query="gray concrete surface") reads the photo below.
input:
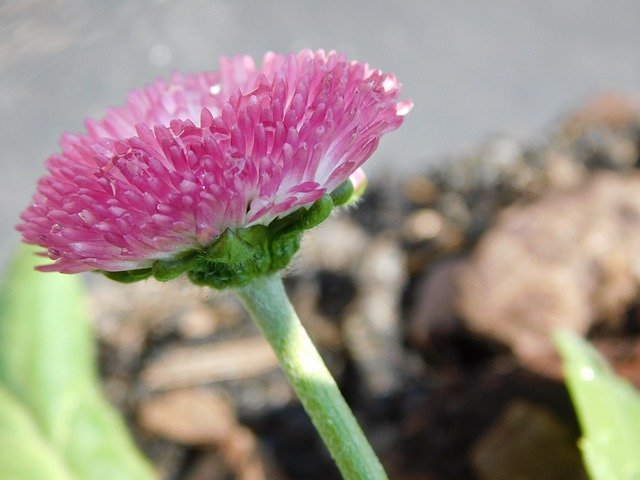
(472, 67)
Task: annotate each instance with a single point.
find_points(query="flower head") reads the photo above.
(186, 160)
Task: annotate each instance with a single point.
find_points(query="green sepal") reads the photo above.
(343, 193)
(230, 248)
(281, 224)
(128, 276)
(165, 270)
(257, 236)
(317, 213)
(282, 250)
(303, 219)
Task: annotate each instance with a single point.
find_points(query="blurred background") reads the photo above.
(471, 68)
(507, 205)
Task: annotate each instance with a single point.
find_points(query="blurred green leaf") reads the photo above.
(25, 454)
(51, 408)
(608, 408)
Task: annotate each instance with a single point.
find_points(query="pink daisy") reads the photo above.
(185, 160)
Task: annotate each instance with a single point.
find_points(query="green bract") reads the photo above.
(238, 256)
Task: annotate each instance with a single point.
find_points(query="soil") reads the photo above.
(402, 295)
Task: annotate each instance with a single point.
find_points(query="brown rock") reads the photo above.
(241, 452)
(166, 457)
(434, 309)
(371, 330)
(563, 172)
(420, 190)
(422, 225)
(201, 364)
(191, 417)
(208, 466)
(609, 109)
(624, 355)
(238, 457)
(206, 419)
(527, 443)
(198, 322)
(603, 132)
(148, 304)
(566, 261)
(335, 245)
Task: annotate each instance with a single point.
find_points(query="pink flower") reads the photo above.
(185, 159)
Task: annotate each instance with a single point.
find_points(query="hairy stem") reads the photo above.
(268, 304)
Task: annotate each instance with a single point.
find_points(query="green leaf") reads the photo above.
(51, 393)
(25, 453)
(608, 408)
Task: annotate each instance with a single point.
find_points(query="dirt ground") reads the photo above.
(431, 302)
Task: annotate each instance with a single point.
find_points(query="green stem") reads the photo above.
(268, 304)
